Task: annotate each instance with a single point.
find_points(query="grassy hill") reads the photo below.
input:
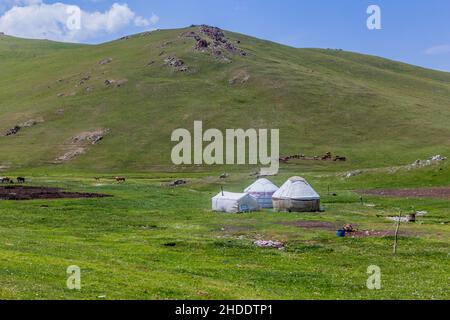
(374, 111)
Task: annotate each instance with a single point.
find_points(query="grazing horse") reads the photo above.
(20, 180)
(5, 180)
(120, 179)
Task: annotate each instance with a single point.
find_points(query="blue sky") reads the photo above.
(413, 31)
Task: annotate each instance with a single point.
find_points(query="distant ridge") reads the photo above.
(371, 110)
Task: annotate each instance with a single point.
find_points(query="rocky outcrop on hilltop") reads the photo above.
(220, 41)
(213, 39)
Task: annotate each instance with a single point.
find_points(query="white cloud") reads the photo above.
(442, 49)
(141, 22)
(5, 4)
(62, 22)
(154, 19)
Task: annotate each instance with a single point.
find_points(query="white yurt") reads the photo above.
(263, 191)
(296, 195)
(234, 202)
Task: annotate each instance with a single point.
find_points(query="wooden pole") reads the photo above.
(396, 233)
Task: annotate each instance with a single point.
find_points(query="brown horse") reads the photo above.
(120, 179)
(5, 180)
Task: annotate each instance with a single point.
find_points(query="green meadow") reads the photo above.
(151, 241)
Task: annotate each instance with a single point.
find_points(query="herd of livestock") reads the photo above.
(8, 180)
(327, 157)
(11, 181)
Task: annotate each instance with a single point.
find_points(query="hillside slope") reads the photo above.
(373, 111)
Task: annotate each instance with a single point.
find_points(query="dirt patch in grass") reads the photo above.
(379, 234)
(312, 224)
(442, 193)
(329, 226)
(237, 228)
(32, 193)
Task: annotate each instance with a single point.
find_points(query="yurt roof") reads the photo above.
(296, 188)
(262, 185)
(230, 196)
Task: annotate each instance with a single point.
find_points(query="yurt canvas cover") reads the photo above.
(234, 202)
(296, 195)
(263, 191)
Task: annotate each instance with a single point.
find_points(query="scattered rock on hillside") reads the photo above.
(438, 158)
(13, 131)
(428, 162)
(201, 45)
(105, 61)
(89, 136)
(175, 63)
(31, 122)
(269, 244)
(241, 77)
(121, 82)
(70, 155)
(110, 82)
(354, 173)
(84, 79)
(27, 124)
(79, 144)
(397, 219)
(190, 34)
(118, 83)
(177, 183)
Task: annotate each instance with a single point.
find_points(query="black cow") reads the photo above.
(20, 180)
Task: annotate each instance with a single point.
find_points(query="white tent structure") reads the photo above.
(234, 202)
(263, 191)
(296, 195)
